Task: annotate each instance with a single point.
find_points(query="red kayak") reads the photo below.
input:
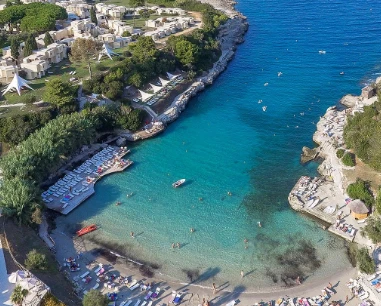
(86, 230)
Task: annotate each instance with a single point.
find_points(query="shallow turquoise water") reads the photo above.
(225, 142)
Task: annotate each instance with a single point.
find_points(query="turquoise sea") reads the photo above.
(225, 142)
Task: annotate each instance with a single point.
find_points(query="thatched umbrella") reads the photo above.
(358, 209)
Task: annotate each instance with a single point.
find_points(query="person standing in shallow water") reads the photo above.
(242, 274)
(214, 288)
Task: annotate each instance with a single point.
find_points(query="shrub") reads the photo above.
(340, 153)
(373, 229)
(51, 300)
(365, 262)
(100, 67)
(29, 98)
(360, 190)
(349, 159)
(378, 200)
(352, 252)
(94, 298)
(35, 261)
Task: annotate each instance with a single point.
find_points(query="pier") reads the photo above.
(78, 185)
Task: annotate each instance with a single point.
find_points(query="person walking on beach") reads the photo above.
(242, 274)
(173, 245)
(214, 288)
(346, 299)
(178, 245)
(298, 280)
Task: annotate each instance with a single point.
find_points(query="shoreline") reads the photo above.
(329, 189)
(231, 34)
(178, 105)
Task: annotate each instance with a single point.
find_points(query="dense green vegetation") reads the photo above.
(349, 159)
(14, 129)
(340, 153)
(372, 229)
(378, 200)
(62, 95)
(39, 17)
(35, 261)
(360, 190)
(362, 133)
(94, 298)
(365, 262)
(18, 295)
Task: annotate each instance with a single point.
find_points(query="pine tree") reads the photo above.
(15, 48)
(93, 16)
(28, 50)
(48, 39)
(33, 42)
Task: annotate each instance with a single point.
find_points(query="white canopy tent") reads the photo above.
(106, 51)
(17, 276)
(145, 95)
(164, 82)
(156, 88)
(17, 84)
(171, 76)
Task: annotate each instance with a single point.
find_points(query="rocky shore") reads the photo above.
(325, 197)
(231, 33)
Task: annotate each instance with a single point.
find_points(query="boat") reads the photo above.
(87, 229)
(322, 51)
(266, 84)
(279, 73)
(342, 73)
(264, 108)
(178, 183)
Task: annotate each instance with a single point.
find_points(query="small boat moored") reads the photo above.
(178, 183)
(87, 230)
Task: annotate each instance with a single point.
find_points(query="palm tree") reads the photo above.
(18, 295)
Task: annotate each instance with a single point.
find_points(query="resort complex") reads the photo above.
(198, 213)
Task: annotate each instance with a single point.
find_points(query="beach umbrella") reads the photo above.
(17, 276)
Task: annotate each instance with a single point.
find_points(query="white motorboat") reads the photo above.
(178, 183)
(264, 108)
(322, 51)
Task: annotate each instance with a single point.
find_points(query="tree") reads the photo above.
(126, 34)
(360, 190)
(59, 93)
(15, 45)
(136, 3)
(83, 50)
(93, 16)
(372, 229)
(365, 262)
(186, 52)
(33, 41)
(378, 200)
(19, 199)
(51, 300)
(18, 295)
(94, 298)
(28, 49)
(48, 39)
(35, 261)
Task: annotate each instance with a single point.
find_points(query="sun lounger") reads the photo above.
(156, 293)
(231, 303)
(101, 271)
(137, 303)
(98, 269)
(150, 303)
(96, 286)
(291, 302)
(133, 283)
(149, 294)
(134, 287)
(177, 299)
(144, 303)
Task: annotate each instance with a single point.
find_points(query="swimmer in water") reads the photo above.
(118, 203)
(192, 230)
(259, 223)
(229, 193)
(245, 240)
(132, 235)
(200, 199)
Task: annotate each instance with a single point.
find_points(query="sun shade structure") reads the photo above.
(358, 209)
(164, 82)
(156, 88)
(171, 76)
(17, 276)
(145, 95)
(17, 84)
(106, 51)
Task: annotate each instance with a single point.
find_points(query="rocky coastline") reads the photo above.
(324, 197)
(231, 34)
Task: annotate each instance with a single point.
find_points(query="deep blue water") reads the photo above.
(225, 142)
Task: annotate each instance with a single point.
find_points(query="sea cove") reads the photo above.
(224, 142)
